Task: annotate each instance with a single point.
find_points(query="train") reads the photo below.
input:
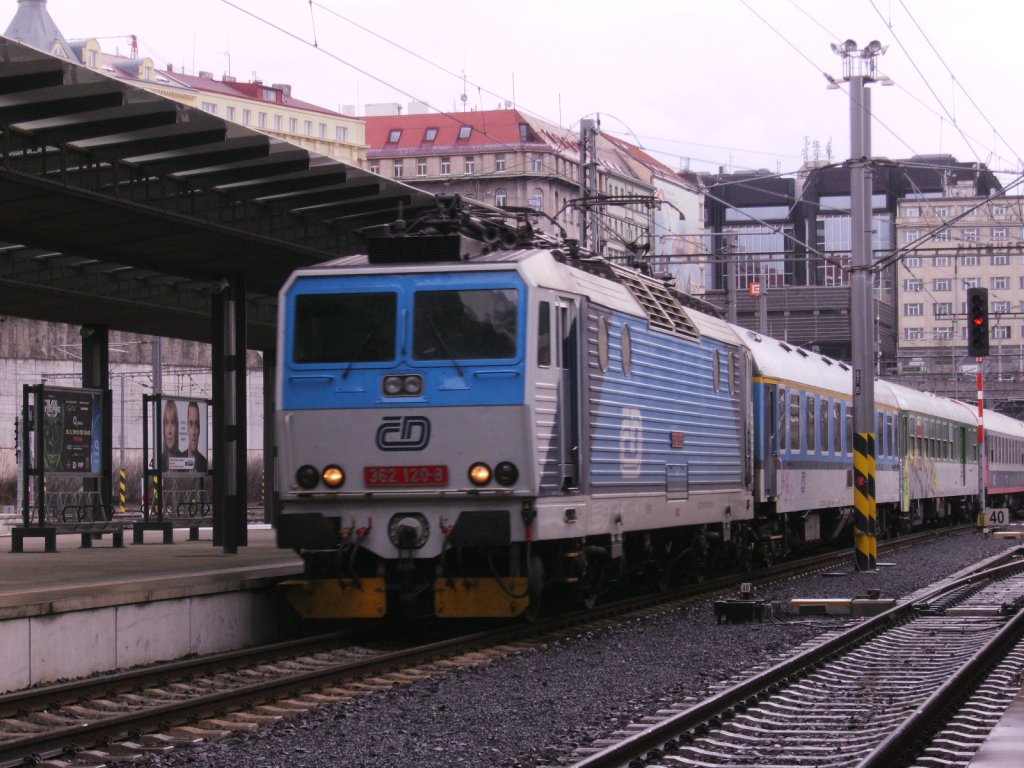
(475, 414)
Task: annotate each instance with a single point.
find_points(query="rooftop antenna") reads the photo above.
(464, 97)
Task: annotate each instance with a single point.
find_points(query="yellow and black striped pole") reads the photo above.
(122, 491)
(865, 521)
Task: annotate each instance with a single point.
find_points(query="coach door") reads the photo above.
(568, 354)
(771, 442)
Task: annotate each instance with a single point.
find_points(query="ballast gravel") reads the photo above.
(529, 709)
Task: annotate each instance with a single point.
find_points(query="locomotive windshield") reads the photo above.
(465, 325)
(345, 328)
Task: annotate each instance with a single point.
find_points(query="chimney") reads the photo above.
(206, 75)
(284, 88)
(170, 67)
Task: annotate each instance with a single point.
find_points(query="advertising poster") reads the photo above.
(71, 431)
(183, 435)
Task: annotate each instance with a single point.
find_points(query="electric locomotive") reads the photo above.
(463, 423)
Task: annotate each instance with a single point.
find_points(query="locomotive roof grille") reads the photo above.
(663, 309)
(415, 249)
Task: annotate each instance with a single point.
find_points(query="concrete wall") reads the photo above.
(46, 649)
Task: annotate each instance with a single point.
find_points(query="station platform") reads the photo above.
(78, 610)
(1004, 747)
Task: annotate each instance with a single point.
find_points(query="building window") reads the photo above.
(500, 198)
(470, 164)
(1000, 306)
(913, 310)
(429, 135)
(940, 211)
(399, 169)
(971, 261)
(499, 163)
(912, 262)
(1000, 259)
(971, 282)
(913, 286)
(340, 133)
(1000, 331)
(538, 162)
(269, 94)
(942, 334)
(421, 167)
(278, 123)
(941, 261)
(999, 233)
(323, 130)
(943, 308)
(375, 166)
(971, 236)
(943, 235)
(942, 285)
(263, 119)
(1000, 283)
(394, 135)
(911, 236)
(1000, 210)
(307, 127)
(246, 117)
(209, 106)
(293, 125)
(230, 112)
(912, 213)
(465, 132)
(524, 133)
(446, 166)
(914, 334)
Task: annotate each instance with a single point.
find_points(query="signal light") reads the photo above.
(977, 322)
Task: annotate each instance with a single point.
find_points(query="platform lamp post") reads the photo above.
(860, 68)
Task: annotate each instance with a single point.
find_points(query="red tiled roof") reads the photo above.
(489, 127)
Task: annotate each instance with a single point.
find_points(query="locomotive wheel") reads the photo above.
(535, 585)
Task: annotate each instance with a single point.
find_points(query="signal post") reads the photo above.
(978, 348)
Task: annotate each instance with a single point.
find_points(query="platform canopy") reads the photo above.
(122, 208)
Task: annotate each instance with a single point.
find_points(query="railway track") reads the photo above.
(102, 720)
(870, 696)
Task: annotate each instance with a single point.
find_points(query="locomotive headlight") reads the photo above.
(333, 476)
(479, 474)
(409, 385)
(307, 476)
(408, 531)
(506, 473)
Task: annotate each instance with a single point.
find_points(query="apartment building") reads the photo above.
(515, 161)
(951, 243)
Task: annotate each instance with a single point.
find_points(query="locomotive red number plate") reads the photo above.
(388, 476)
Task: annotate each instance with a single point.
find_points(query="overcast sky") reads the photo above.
(698, 83)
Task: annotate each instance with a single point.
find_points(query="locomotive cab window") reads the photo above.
(544, 334)
(465, 324)
(344, 328)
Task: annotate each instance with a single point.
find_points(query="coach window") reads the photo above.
(783, 420)
(794, 422)
(812, 421)
(544, 334)
(627, 350)
(602, 344)
(837, 428)
(849, 430)
(823, 414)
